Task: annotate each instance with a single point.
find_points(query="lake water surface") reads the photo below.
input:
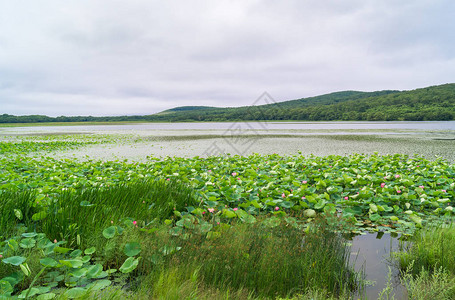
(430, 139)
(252, 125)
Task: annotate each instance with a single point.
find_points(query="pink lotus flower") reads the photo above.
(277, 208)
(209, 171)
(235, 209)
(234, 174)
(203, 212)
(1, 256)
(303, 197)
(443, 191)
(211, 210)
(168, 179)
(421, 186)
(134, 222)
(346, 198)
(397, 176)
(382, 184)
(304, 182)
(283, 195)
(398, 191)
(55, 241)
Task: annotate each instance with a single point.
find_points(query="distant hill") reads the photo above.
(426, 104)
(186, 108)
(430, 103)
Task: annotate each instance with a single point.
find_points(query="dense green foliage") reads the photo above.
(393, 193)
(99, 233)
(210, 227)
(431, 103)
(427, 263)
(430, 249)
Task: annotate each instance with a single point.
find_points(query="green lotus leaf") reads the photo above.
(14, 260)
(132, 249)
(99, 285)
(90, 251)
(48, 262)
(5, 288)
(27, 243)
(94, 271)
(46, 296)
(39, 216)
(29, 293)
(129, 265)
(76, 292)
(29, 234)
(110, 232)
(75, 253)
(71, 263)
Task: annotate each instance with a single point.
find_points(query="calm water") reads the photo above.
(372, 251)
(251, 125)
(429, 139)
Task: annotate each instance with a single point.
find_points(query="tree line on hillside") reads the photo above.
(435, 103)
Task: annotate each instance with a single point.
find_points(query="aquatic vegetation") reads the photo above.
(197, 216)
(282, 257)
(378, 193)
(430, 249)
(32, 265)
(438, 284)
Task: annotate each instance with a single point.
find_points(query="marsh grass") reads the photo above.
(86, 212)
(437, 284)
(270, 262)
(14, 206)
(238, 261)
(431, 249)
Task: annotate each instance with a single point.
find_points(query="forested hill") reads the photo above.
(431, 103)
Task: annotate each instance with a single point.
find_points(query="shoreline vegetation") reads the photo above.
(264, 226)
(435, 103)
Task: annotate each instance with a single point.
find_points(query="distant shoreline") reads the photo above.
(36, 124)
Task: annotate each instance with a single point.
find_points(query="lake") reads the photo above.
(429, 139)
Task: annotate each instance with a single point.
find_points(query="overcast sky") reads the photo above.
(106, 57)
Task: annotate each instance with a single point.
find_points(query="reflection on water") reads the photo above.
(372, 251)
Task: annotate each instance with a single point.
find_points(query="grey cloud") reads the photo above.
(116, 57)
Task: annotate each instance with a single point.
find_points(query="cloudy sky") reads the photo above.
(107, 57)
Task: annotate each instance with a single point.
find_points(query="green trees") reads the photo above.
(436, 103)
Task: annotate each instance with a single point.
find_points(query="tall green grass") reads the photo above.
(269, 262)
(430, 249)
(14, 207)
(238, 261)
(87, 212)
